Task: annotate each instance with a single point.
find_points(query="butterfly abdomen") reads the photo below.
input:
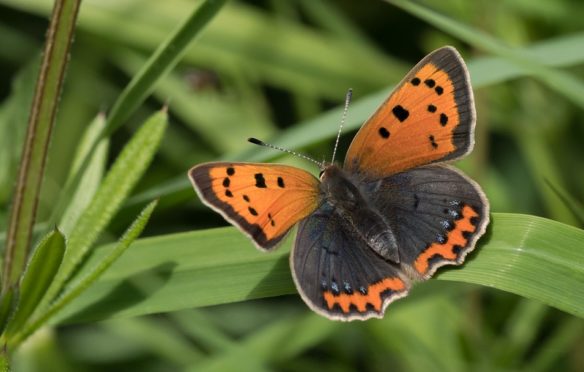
(361, 218)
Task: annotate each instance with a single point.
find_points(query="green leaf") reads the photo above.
(90, 277)
(530, 256)
(533, 257)
(92, 174)
(164, 58)
(119, 181)
(6, 307)
(37, 277)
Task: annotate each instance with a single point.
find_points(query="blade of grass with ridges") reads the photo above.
(530, 256)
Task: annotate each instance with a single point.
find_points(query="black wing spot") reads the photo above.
(439, 90)
(229, 194)
(447, 225)
(431, 108)
(335, 288)
(432, 141)
(281, 182)
(230, 171)
(347, 287)
(430, 83)
(384, 132)
(260, 181)
(272, 222)
(246, 198)
(226, 182)
(252, 211)
(441, 239)
(415, 81)
(443, 119)
(400, 113)
(455, 214)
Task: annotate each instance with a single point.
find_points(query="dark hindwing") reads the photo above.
(337, 274)
(436, 212)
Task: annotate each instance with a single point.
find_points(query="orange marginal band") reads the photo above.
(455, 238)
(360, 300)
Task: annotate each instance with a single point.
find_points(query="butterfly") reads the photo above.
(389, 217)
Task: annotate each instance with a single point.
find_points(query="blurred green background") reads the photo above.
(278, 70)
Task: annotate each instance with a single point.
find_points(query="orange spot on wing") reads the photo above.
(454, 238)
(360, 300)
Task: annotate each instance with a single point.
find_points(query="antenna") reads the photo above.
(347, 101)
(256, 141)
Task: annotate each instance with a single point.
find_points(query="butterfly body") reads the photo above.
(359, 216)
(393, 214)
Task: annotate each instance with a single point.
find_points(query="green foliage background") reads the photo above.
(278, 70)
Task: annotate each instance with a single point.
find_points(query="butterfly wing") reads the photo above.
(436, 213)
(337, 274)
(263, 200)
(428, 118)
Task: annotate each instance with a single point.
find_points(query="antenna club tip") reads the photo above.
(255, 141)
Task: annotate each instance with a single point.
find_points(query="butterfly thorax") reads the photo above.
(359, 214)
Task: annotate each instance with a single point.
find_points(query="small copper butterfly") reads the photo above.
(390, 216)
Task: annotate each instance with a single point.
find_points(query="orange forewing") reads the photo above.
(263, 200)
(428, 118)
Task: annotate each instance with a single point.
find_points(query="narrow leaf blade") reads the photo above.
(37, 277)
(92, 174)
(530, 256)
(119, 181)
(78, 287)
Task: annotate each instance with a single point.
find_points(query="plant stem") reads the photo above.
(40, 125)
